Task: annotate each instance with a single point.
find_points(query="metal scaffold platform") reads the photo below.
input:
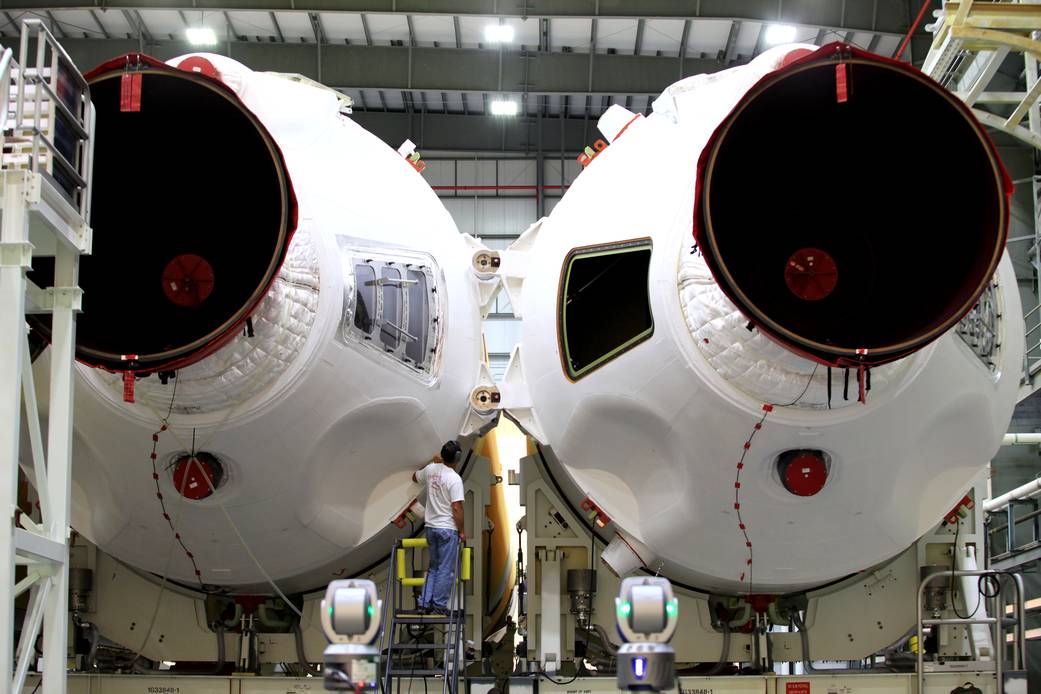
(971, 42)
(47, 119)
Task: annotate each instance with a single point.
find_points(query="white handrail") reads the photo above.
(1021, 492)
(6, 62)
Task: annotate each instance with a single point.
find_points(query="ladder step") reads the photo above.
(423, 619)
(406, 672)
(420, 646)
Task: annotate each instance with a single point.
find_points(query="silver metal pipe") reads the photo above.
(301, 656)
(804, 640)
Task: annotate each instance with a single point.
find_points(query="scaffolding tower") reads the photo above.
(46, 123)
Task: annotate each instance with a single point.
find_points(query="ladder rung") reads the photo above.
(424, 619)
(407, 672)
(420, 646)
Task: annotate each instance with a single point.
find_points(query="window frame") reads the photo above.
(403, 262)
(598, 250)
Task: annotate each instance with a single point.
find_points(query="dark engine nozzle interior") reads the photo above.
(192, 212)
(815, 226)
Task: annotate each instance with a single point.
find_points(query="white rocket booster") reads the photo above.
(721, 286)
(219, 194)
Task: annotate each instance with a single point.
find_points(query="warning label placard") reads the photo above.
(796, 688)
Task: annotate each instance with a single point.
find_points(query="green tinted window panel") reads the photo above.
(605, 307)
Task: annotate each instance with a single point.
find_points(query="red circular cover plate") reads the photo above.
(188, 280)
(199, 64)
(811, 274)
(805, 475)
(188, 478)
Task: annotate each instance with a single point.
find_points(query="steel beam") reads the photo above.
(471, 133)
(729, 52)
(860, 15)
(14, 229)
(277, 28)
(231, 26)
(683, 47)
(760, 40)
(38, 547)
(411, 30)
(365, 28)
(55, 27)
(101, 27)
(432, 69)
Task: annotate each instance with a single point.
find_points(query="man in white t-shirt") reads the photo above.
(444, 523)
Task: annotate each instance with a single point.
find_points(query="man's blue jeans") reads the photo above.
(441, 546)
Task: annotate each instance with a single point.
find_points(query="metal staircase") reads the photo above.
(413, 638)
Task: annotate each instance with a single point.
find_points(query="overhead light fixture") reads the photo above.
(780, 33)
(498, 33)
(503, 107)
(201, 36)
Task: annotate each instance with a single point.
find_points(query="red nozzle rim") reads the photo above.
(827, 354)
(190, 354)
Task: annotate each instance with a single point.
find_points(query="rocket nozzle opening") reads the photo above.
(814, 163)
(192, 213)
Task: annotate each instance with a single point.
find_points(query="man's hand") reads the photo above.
(460, 521)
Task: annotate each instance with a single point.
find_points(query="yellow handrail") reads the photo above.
(465, 572)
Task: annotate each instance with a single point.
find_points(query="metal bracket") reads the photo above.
(70, 298)
(16, 254)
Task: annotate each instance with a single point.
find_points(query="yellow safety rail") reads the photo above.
(464, 573)
(419, 543)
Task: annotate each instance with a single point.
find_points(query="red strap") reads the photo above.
(130, 92)
(626, 126)
(128, 386)
(841, 85)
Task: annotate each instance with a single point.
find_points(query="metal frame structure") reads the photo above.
(971, 42)
(43, 217)
(422, 70)
(395, 616)
(996, 623)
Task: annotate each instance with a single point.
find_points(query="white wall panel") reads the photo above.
(477, 173)
(517, 172)
(619, 34)
(501, 334)
(440, 173)
(491, 216)
(497, 364)
(295, 26)
(571, 170)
